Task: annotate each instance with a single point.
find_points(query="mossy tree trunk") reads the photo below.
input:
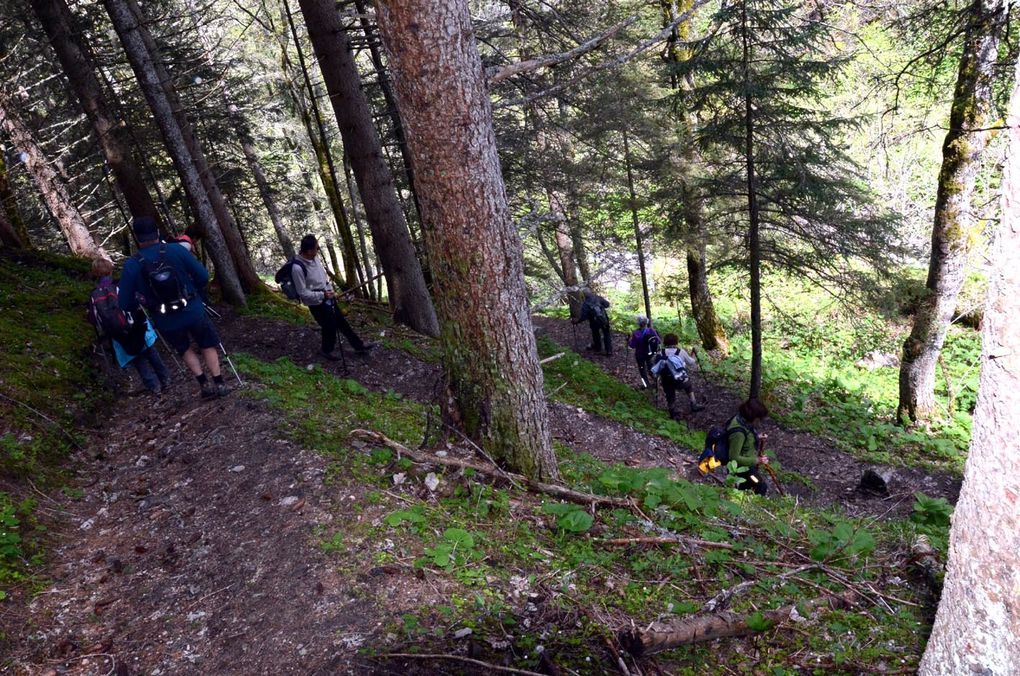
(955, 228)
(495, 382)
(710, 329)
(176, 130)
(638, 243)
(409, 297)
(57, 21)
(50, 184)
(977, 626)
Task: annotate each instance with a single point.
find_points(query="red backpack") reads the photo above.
(110, 320)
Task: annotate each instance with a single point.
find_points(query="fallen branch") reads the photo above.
(661, 636)
(554, 490)
(45, 417)
(775, 478)
(457, 658)
(552, 358)
(654, 540)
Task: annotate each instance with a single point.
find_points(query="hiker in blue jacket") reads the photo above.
(593, 311)
(168, 281)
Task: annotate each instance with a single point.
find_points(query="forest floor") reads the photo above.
(188, 548)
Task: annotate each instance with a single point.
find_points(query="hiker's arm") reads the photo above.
(128, 286)
(742, 449)
(307, 296)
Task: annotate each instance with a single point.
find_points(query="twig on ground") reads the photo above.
(45, 417)
(552, 358)
(655, 540)
(458, 658)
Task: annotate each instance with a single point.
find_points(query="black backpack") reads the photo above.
(651, 343)
(598, 313)
(717, 443)
(111, 321)
(285, 278)
(169, 293)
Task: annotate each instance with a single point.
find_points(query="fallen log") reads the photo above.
(660, 636)
(561, 492)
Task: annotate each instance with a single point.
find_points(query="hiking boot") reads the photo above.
(329, 356)
(208, 391)
(366, 348)
(222, 390)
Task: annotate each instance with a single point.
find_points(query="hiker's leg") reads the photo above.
(190, 358)
(607, 339)
(642, 369)
(152, 355)
(144, 369)
(208, 342)
(596, 336)
(345, 328)
(669, 387)
(181, 341)
(324, 316)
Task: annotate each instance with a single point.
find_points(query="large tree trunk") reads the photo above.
(57, 21)
(489, 352)
(359, 227)
(408, 295)
(955, 227)
(754, 226)
(50, 184)
(710, 329)
(565, 249)
(175, 130)
(265, 191)
(977, 627)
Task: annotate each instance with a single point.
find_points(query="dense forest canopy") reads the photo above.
(815, 199)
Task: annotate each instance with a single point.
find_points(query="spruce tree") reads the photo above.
(773, 169)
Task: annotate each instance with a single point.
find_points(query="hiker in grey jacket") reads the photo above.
(671, 366)
(316, 291)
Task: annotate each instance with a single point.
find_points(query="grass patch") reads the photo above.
(47, 365)
(270, 305)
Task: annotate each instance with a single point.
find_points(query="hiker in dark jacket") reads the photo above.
(175, 304)
(316, 291)
(644, 341)
(136, 344)
(746, 445)
(593, 311)
(672, 367)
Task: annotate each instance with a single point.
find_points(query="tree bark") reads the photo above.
(50, 184)
(753, 236)
(977, 626)
(637, 225)
(489, 353)
(8, 235)
(175, 130)
(565, 249)
(359, 227)
(710, 329)
(955, 228)
(265, 191)
(57, 20)
(408, 295)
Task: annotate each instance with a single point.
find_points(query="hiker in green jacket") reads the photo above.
(746, 445)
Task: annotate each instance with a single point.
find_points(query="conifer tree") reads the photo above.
(774, 171)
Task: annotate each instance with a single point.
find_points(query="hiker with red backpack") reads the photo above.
(672, 367)
(740, 442)
(132, 337)
(645, 343)
(310, 284)
(169, 281)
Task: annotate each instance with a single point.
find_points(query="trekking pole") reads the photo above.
(166, 345)
(227, 358)
(212, 313)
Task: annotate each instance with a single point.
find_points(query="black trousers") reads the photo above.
(644, 364)
(601, 337)
(670, 387)
(752, 481)
(331, 320)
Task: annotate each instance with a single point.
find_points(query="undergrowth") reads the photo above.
(526, 574)
(49, 387)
